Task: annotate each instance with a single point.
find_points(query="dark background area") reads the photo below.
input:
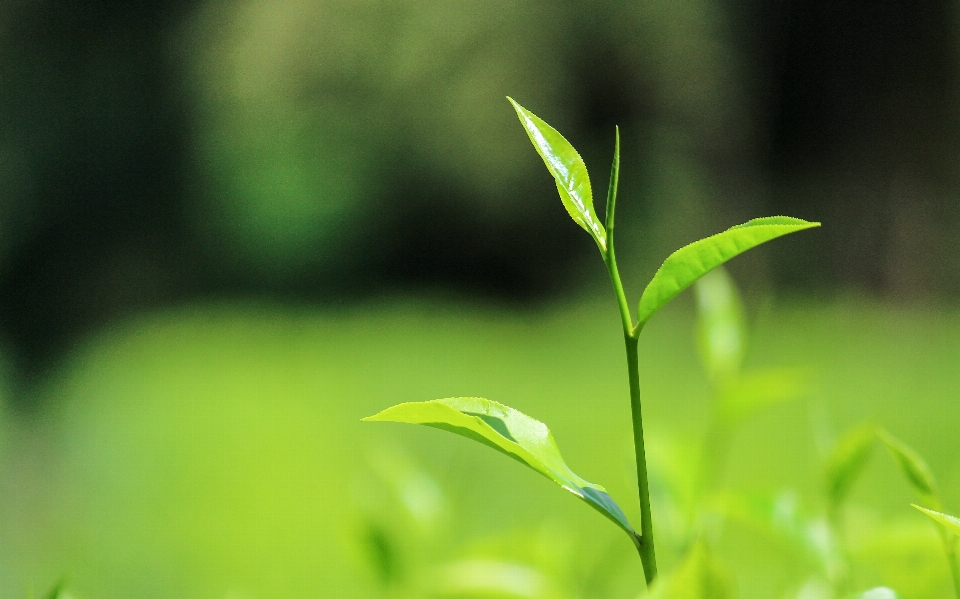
(170, 152)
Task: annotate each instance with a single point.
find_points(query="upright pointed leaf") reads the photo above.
(914, 468)
(847, 459)
(510, 432)
(946, 521)
(720, 324)
(568, 170)
(691, 262)
(614, 182)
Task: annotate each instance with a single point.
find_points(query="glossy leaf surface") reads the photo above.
(720, 327)
(568, 170)
(951, 523)
(846, 460)
(691, 262)
(914, 468)
(510, 432)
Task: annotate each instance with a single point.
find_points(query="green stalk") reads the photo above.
(950, 549)
(631, 336)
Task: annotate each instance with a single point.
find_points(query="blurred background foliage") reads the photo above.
(220, 219)
(322, 150)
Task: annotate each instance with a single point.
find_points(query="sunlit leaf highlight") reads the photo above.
(568, 170)
(878, 593)
(511, 432)
(691, 262)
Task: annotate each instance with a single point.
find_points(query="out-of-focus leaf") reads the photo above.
(906, 551)
(878, 593)
(415, 490)
(914, 468)
(568, 170)
(699, 576)
(780, 517)
(948, 522)
(752, 392)
(493, 578)
(847, 459)
(720, 324)
(58, 590)
(382, 553)
(691, 262)
(510, 432)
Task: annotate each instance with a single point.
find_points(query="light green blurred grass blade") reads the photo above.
(720, 326)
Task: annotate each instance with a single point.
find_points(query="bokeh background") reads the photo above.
(231, 228)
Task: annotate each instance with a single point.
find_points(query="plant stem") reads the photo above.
(631, 334)
(950, 549)
(646, 549)
(631, 337)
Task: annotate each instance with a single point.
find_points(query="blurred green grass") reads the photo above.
(216, 451)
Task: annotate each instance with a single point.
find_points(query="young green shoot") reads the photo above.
(530, 441)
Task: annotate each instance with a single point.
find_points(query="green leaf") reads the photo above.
(914, 468)
(720, 324)
(58, 589)
(878, 593)
(750, 393)
(568, 170)
(510, 432)
(946, 521)
(691, 262)
(699, 576)
(847, 459)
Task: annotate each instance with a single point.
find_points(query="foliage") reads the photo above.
(528, 440)
(921, 478)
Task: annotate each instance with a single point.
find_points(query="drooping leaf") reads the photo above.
(752, 392)
(948, 522)
(878, 593)
(720, 324)
(847, 459)
(691, 262)
(699, 576)
(568, 170)
(914, 468)
(510, 432)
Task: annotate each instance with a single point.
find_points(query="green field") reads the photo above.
(217, 451)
